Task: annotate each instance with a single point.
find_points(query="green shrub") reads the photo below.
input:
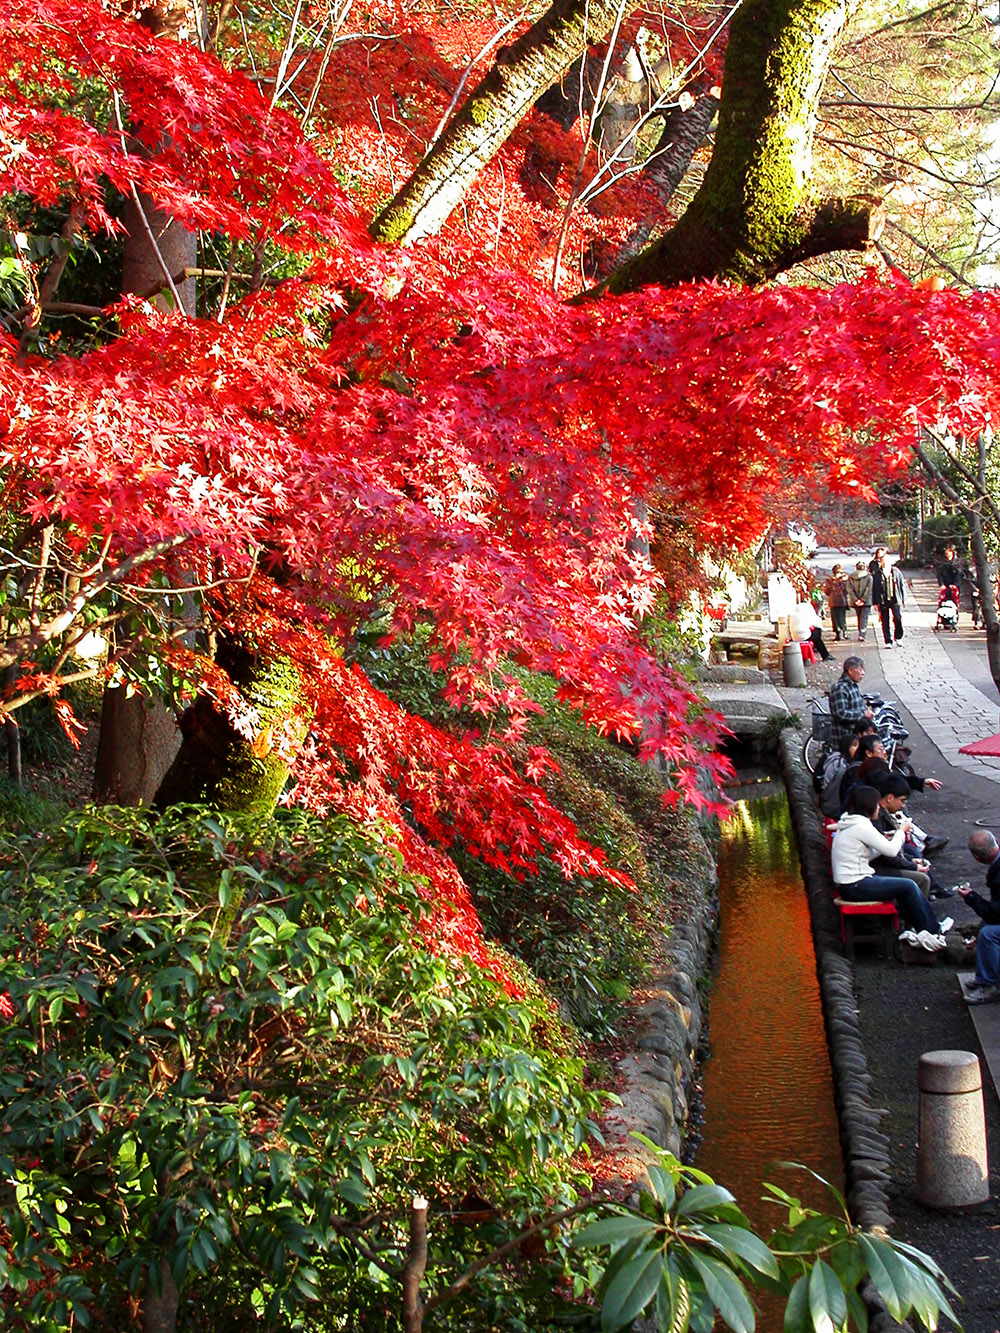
(589, 940)
(252, 1109)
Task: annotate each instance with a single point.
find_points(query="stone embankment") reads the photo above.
(866, 1147)
(656, 1075)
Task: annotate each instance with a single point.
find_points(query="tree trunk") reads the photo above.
(753, 216)
(139, 737)
(153, 231)
(138, 741)
(682, 135)
(159, 1308)
(11, 730)
(972, 509)
(987, 594)
(220, 766)
(489, 115)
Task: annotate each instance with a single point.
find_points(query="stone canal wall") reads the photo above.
(655, 1076)
(865, 1145)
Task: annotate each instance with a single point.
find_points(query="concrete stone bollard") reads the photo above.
(792, 667)
(952, 1170)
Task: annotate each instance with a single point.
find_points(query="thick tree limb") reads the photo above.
(490, 114)
(753, 215)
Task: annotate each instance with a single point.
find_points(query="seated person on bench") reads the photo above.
(855, 844)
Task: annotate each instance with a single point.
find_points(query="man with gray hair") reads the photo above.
(985, 989)
(847, 703)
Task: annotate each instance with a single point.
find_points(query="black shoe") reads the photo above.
(939, 891)
(935, 843)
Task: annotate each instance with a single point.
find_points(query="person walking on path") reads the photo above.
(847, 703)
(888, 594)
(855, 843)
(835, 591)
(985, 988)
(859, 586)
(947, 570)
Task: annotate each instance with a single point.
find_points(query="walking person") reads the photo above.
(836, 593)
(947, 570)
(888, 594)
(859, 586)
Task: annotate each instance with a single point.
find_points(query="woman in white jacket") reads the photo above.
(855, 843)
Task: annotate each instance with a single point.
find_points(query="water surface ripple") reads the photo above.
(768, 1089)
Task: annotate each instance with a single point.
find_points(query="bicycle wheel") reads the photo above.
(812, 754)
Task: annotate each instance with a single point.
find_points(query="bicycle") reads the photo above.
(886, 719)
(817, 743)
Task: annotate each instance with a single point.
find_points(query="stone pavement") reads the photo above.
(922, 677)
(905, 1011)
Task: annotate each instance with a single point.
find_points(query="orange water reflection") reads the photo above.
(767, 1085)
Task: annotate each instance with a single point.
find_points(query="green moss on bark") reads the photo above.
(218, 765)
(754, 211)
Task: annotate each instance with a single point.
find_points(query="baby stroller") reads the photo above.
(947, 608)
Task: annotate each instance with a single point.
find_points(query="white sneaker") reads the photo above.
(946, 924)
(908, 937)
(932, 943)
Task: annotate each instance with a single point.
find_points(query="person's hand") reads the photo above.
(963, 890)
(906, 824)
(934, 783)
(869, 714)
(922, 864)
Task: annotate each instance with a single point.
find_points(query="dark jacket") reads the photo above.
(887, 585)
(948, 574)
(988, 908)
(887, 825)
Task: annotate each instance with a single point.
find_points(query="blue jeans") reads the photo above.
(893, 888)
(988, 957)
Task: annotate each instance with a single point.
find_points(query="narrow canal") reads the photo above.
(768, 1088)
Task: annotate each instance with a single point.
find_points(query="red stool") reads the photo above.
(808, 652)
(881, 917)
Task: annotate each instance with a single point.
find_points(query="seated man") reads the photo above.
(894, 791)
(985, 989)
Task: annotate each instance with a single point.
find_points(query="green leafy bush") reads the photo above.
(686, 1254)
(588, 939)
(246, 1110)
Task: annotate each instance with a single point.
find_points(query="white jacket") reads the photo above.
(855, 843)
(801, 620)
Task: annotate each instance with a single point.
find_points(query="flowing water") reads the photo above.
(768, 1089)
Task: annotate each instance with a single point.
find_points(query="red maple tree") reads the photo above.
(408, 438)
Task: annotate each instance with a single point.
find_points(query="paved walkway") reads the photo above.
(905, 1011)
(921, 675)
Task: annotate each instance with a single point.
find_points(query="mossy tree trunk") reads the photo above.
(221, 766)
(754, 214)
(489, 115)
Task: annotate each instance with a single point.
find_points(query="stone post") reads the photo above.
(952, 1170)
(792, 667)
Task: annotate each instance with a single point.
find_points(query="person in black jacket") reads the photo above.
(894, 791)
(947, 570)
(986, 986)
